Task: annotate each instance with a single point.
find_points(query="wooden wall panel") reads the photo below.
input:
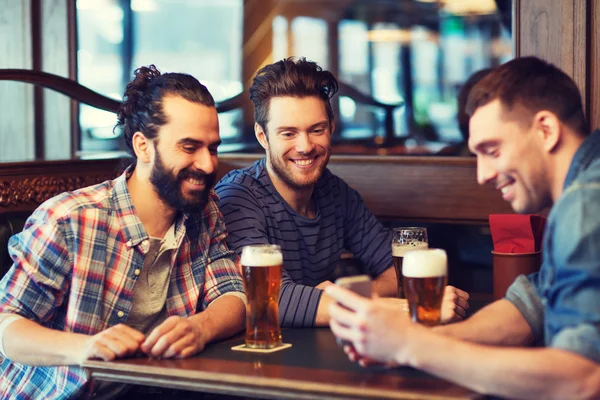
(16, 99)
(428, 189)
(557, 31)
(55, 60)
(257, 45)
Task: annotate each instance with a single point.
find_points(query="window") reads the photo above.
(199, 37)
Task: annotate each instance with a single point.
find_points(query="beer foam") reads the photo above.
(425, 263)
(253, 258)
(399, 250)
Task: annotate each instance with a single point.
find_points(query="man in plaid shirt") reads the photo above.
(137, 265)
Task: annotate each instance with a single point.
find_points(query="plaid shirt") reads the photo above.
(74, 271)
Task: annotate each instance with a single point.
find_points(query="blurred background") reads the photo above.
(401, 62)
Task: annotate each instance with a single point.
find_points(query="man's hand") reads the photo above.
(176, 337)
(377, 328)
(115, 342)
(454, 305)
(323, 285)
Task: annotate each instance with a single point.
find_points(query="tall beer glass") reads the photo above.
(404, 240)
(262, 268)
(425, 278)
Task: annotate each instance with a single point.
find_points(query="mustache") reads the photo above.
(208, 179)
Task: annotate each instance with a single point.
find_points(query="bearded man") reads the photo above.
(134, 265)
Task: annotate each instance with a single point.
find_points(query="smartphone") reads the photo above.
(359, 284)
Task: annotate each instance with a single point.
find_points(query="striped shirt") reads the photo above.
(255, 213)
(75, 266)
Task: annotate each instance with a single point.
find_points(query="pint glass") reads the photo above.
(404, 240)
(262, 268)
(425, 278)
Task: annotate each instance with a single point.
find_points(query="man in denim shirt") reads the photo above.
(529, 133)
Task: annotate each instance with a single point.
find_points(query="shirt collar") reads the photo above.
(587, 152)
(123, 206)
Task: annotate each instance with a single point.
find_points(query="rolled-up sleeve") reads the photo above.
(572, 291)
(523, 295)
(222, 274)
(37, 282)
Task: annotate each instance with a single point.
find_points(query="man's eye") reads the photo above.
(319, 131)
(288, 134)
(189, 149)
(213, 150)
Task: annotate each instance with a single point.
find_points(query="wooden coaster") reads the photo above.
(242, 347)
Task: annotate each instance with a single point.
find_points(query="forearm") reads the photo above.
(499, 323)
(29, 343)
(224, 317)
(386, 284)
(322, 317)
(514, 373)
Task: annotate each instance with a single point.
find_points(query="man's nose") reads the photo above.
(304, 143)
(204, 161)
(485, 171)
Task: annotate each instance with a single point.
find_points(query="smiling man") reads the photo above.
(290, 198)
(542, 341)
(134, 265)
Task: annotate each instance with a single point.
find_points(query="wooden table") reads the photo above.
(314, 367)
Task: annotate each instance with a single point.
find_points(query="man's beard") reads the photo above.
(168, 187)
(279, 168)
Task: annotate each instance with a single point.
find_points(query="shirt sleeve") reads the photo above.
(364, 235)
(523, 295)
(246, 224)
(573, 292)
(36, 284)
(222, 274)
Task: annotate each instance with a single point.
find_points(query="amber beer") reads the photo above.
(262, 268)
(405, 239)
(398, 251)
(425, 278)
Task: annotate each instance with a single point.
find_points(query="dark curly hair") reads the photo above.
(141, 109)
(290, 77)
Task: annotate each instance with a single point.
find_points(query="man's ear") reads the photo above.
(141, 147)
(548, 126)
(261, 136)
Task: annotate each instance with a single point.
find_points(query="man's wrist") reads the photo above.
(407, 352)
(202, 327)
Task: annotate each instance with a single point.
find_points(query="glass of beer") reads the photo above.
(262, 268)
(404, 240)
(425, 278)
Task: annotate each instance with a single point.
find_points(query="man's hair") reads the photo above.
(531, 85)
(290, 77)
(463, 95)
(141, 109)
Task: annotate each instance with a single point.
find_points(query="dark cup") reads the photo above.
(507, 266)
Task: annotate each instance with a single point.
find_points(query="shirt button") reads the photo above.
(129, 243)
(120, 314)
(137, 272)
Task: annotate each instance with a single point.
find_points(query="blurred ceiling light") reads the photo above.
(469, 7)
(144, 5)
(390, 35)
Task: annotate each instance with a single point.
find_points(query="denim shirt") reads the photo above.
(561, 302)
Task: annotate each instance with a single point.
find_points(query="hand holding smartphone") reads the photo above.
(359, 284)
